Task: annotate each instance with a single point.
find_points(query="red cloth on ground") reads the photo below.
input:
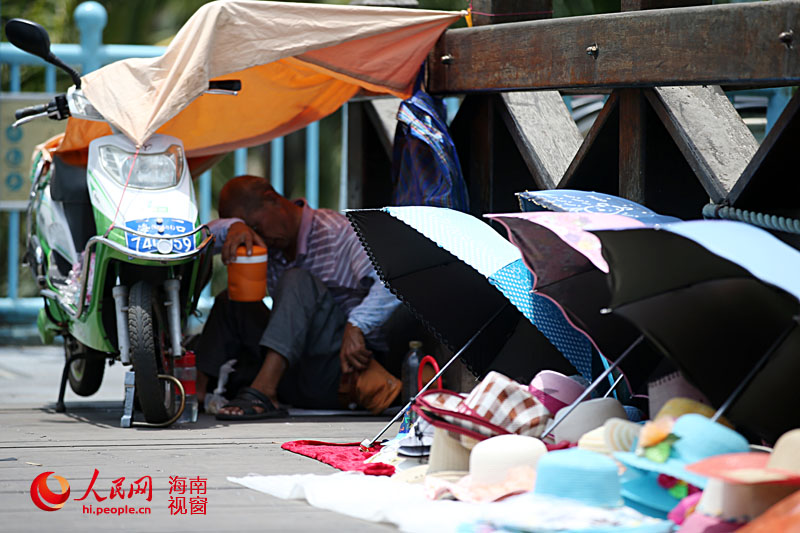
(346, 456)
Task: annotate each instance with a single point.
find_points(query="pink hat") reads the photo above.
(555, 390)
(700, 523)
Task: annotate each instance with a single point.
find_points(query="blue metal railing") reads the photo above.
(91, 54)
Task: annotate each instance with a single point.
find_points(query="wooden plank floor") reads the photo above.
(34, 439)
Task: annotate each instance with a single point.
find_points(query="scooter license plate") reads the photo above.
(159, 228)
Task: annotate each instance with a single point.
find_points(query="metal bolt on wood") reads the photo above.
(593, 50)
(447, 59)
(787, 38)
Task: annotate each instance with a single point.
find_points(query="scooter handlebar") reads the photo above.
(29, 111)
(56, 109)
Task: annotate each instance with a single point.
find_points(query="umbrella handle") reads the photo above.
(428, 359)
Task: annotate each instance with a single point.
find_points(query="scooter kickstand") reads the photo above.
(60, 406)
(130, 387)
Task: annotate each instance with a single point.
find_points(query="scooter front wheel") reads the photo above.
(146, 352)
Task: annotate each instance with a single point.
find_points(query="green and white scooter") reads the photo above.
(116, 247)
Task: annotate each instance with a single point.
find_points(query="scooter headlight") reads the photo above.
(150, 171)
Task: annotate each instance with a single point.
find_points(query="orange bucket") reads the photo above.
(247, 275)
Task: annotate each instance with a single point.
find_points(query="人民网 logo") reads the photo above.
(40, 491)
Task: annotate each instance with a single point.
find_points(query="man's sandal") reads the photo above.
(247, 400)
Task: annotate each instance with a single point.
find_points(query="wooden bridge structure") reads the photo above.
(667, 136)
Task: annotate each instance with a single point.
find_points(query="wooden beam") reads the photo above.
(472, 130)
(543, 131)
(709, 133)
(632, 144)
(706, 45)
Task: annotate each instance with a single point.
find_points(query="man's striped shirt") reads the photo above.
(329, 249)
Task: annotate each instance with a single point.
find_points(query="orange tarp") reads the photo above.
(297, 63)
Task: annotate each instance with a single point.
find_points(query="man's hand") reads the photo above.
(239, 234)
(354, 354)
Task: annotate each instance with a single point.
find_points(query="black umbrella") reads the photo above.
(721, 299)
(454, 299)
(468, 285)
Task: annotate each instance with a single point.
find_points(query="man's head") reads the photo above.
(269, 214)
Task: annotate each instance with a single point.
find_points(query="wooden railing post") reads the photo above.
(633, 117)
(632, 144)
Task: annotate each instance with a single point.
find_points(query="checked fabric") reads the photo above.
(497, 406)
(506, 403)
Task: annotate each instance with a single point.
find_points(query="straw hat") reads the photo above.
(587, 416)
(677, 407)
(447, 453)
(782, 466)
(734, 502)
(615, 435)
(498, 467)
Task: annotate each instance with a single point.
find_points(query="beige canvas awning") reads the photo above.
(297, 63)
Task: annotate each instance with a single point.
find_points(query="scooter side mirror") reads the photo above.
(29, 36)
(33, 38)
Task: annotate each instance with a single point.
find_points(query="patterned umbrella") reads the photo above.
(568, 267)
(456, 273)
(567, 200)
(721, 299)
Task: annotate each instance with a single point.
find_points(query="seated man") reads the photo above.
(328, 303)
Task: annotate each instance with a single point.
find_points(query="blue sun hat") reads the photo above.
(580, 475)
(640, 489)
(578, 491)
(696, 437)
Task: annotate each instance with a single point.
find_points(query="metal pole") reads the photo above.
(13, 254)
(276, 164)
(755, 370)
(593, 386)
(204, 184)
(312, 164)
(91, 18)
(50, 79)
(14, 79)
(343, 178)
(368, 443)
(240, 162)
(613, 386)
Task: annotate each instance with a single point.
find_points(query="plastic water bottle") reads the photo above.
(410, 369)
(186, 372)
